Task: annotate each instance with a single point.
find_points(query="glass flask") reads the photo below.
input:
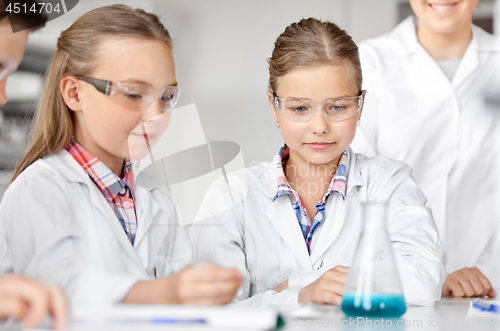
(372, 287)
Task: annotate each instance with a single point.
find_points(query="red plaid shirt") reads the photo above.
(119, 193)
(337, 184)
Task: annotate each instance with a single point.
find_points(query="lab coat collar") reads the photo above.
(403, 39)
(285, 221)
(340, 211)
(282, 216)
(68, 167)
(268, 182)
(71, 171)
(482, 42)
(146, 209)
(407, 44)
(354, 177)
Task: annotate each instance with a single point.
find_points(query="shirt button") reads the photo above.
(123, 191)
(126, 204)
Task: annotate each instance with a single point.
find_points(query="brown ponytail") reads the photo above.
(311, 42)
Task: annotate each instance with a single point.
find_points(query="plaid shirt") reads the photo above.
(119, 193)
(338, 184)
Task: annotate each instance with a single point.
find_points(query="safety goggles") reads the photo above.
(302, 110)
(136, 96)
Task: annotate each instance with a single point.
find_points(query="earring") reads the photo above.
(276, 124)
(359, 122)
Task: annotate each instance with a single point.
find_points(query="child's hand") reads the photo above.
(280, 287)
(205, 284)
(30, 301)
(327, 289)
(467, 282)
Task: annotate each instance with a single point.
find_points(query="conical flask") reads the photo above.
(372, 287)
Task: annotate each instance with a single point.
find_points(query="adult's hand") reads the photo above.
(467, 282)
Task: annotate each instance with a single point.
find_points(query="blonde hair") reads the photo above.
(311, 42)
(52, 126)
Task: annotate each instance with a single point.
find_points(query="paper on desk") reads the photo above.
(222, 317)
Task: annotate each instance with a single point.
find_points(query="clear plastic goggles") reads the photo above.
(302, 110)
(136, 96)
(6, 66)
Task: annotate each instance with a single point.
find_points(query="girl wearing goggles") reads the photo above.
(293, 237)
(72, 214)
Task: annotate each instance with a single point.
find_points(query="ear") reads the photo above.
(71, 92)
(361, 110)
(271, 104)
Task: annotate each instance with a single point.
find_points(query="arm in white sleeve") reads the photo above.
(45, 242)
(419, 253)
(220, 239)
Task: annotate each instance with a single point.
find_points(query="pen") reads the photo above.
(484, 305)
(168, 320)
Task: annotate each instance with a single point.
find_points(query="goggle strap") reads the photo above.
(276, 102)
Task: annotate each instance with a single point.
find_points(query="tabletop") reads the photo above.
(446, 314)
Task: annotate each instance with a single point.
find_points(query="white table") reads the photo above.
(447, 314)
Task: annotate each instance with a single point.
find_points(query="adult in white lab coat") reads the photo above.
(69, 235)
(430, 83)
(259, 236)
(260, 220)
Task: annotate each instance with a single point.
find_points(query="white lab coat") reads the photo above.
(263, 239)
(56, 226)
(446, 131)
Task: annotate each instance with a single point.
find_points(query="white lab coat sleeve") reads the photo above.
(306, 278)
(419, 253)
(365, 141)
(220, 240)
(46, 244)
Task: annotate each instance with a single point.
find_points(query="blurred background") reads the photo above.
(220, 49)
